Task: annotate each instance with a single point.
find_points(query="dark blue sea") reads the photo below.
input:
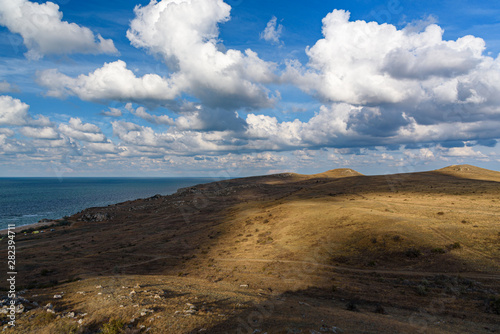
(25, 201)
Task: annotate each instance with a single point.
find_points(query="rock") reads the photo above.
(57, 296)
(95, 217)
(98, 286)
(243, 285)
(49, 306)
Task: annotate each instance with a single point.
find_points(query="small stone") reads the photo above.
(57, 296)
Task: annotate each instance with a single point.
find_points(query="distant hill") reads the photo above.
(470, 172)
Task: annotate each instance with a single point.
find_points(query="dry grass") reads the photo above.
(306, 246)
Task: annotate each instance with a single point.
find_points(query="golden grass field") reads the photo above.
(334, 252)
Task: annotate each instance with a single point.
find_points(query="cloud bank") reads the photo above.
(44, 32)
(376, 87)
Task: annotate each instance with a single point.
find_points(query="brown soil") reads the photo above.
(286, 253)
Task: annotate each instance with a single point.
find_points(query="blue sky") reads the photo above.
(208, 88)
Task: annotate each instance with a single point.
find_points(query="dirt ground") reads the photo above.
(335, 252)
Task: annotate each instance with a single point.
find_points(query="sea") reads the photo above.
(25, 201)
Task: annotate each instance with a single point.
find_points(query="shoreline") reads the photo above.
(24, 227)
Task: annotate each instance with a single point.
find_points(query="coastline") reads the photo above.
(24, 227)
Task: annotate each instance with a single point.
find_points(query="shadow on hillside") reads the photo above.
(160, 235)
(387, 305)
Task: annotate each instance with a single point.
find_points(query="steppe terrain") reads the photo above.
(336, 252)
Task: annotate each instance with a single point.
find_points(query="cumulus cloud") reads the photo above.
(44, 32)
(403, 80)
(114, 81)
(369, 63)
(112, 112)
(210, 120)
(39, 133)
(377, 85)
(464, 152)
(13, 111)
(6, 87)
(107, 147)
(142, 113)
(135, 134)
(185, 34)
(87, 132)
(272, 32)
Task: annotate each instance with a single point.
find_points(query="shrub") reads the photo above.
(114, 326)
(351, 306)
(413, 252)
(421, 290)
(45, 272)
(493, 304)
(438, 250)
(455, 245)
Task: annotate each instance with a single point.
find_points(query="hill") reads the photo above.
(283, 253)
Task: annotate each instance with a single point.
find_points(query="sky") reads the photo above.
(238, 88)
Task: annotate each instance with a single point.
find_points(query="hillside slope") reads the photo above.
(322, 245)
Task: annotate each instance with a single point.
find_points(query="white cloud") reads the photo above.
(369, 63)
(13, 111)
(7, 132)
(44, 32)
(39, 133)
(6, 87)
(142, 113)
(272, 32)
(107, 147)
(464, 152)
(114, 81)
(112, 112)
(131, 133)
(82, 131)
(184, 33)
